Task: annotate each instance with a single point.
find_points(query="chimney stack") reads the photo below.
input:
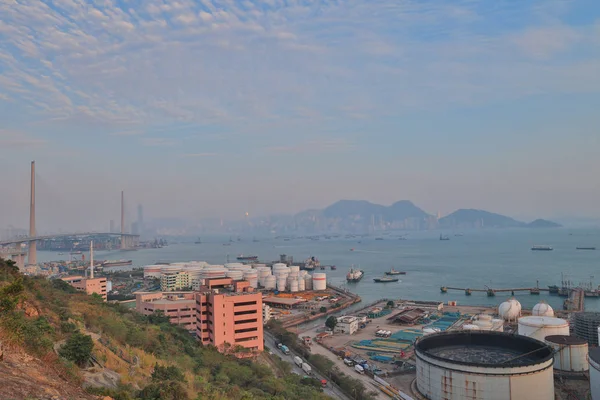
(32, 256)
(91, 259)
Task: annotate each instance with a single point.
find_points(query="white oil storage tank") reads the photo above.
(594, 361)
(470, 327)
(540, 327)
(308, 283)
(301, 285)
(294, 286)
(542, 309)
(570, 353)
(319, 281)
(270, 282)
(294, 268)
(234, 274)
(281, 283)
(483, 365)
(498, 325)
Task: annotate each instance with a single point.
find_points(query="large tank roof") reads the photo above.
(535, 320)
(484, 349)
(566, 340)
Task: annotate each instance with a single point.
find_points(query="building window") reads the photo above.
(245, 312)
(245, 321)
(246, 330)
(246, 303)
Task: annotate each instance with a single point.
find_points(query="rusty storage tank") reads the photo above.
(484, 365)
(570, 353)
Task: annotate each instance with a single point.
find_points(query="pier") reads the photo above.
(492, 292)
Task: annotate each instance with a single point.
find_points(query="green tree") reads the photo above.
(9, 295)
(323, 309)
(331, 322)
(8, 269)
(169, 390)
(62, 285)
(78, 348)
(169, 373)
(390, 304)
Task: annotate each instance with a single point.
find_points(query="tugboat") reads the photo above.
(386, 279)
(394, 272)
(442, 237)
(333, 267)
(355, 275)
(198, 241)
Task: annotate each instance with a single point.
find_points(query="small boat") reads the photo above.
(226, 244)
(442, 237)
(541, 248)
(333, 267)
(352, 249)
(585, 248)
(61, 254)
(76, 252)
(198, 241)
(255, 240)
(322, 267)
(116, 263)
(386, 279)
(394, 272)
(378, 238)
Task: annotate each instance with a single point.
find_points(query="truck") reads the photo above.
(284, 349)
(359, 369)
(298, 361)
(306, 368)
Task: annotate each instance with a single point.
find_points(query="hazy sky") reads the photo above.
(214, 108)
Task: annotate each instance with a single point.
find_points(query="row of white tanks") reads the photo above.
(278, 277)
(484, 322)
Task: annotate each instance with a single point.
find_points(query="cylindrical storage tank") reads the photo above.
(570, 353)
(294, 268)
(319, 281)
(308, 282)
(235, 275)
(278, 267)
(498, 325)
(483, 325)
(281, 284)
(540, 327)
(470, 327)
(214, 271)
(428, 331)
(170, 269)
(294, 286)
(301, 285)
(594, 361)
(258, 266)
(542, 309)
(483, 366)
(270, 282)
(484, 317)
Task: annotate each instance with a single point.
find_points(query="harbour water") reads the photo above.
(496, 258)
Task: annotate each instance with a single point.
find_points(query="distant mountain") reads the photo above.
(363, 216)
(470, 218)
(543, 223)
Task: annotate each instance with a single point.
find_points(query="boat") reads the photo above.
(76, 252)
(226, 244)
(242, 257)
(542, 248)
(61, 254)
(311, 263)
(386, 279)
(115, 263)
(442, 237)
(333, 267)
(553, 289)
(255, 240)
(585, 248)
(198, 241)
(378, 238)
(394, 272)
(354, 275)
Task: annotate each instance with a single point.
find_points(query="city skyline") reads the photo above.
(215, 109)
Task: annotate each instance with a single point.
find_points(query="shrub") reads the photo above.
(78, 348)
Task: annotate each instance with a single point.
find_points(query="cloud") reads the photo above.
(314, 146)
(18, 140)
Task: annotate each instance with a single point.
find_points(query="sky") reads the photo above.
(215, 108)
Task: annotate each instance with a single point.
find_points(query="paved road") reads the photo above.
(331, 390)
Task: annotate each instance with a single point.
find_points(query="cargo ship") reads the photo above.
(355, 275)
(242, 257)
(116, 263)
(585, 248)
(311, 263)
(542, 248)
(394, 272)
(386, 279)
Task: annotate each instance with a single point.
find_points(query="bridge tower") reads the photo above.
(123, 243)
(32, 254)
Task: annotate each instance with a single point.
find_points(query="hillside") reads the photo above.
(469, 218)
(543, 223)
(134, 357)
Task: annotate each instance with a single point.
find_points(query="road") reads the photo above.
(318, 349)
(331, 390)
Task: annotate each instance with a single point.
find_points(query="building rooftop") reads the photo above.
(283, 301)
(347, 319)
(169, 301)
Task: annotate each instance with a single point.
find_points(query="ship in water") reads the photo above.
(198, 241)
(75, 252)
(311, 263)
(541, 248)
(115, 263)
(242, 257)
(386, 279)
(354, 275)
(394, 272)
(442, 237)
(585, 248)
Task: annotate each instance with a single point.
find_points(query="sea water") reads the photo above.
(478, 259)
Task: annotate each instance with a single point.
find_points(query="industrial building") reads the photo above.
(179, 307)
(594, 362)
(586, 327)
(88, 285)
(483, 365)
(347, 325)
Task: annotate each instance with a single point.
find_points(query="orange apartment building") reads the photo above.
(88, 285)
(179, 307)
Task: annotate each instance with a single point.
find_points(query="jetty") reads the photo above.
(492, 292)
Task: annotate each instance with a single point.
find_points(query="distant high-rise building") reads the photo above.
(112, 226)
(140, 218)
(135, 228)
